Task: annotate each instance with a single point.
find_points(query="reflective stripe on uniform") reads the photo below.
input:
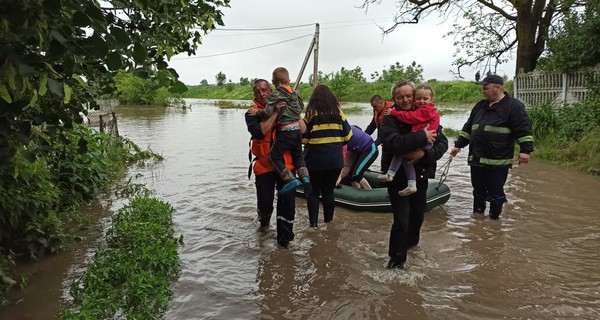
(525, 139)
(464, 135)
(493, 162)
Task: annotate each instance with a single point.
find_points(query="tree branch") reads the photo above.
(501, 11)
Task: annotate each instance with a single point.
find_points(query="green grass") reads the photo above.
(447, 92)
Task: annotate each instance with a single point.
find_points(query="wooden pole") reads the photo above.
(312, 44)
(316, 57)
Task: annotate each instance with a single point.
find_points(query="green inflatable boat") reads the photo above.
(377, 199)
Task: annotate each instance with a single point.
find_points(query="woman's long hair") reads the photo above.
(323, 103)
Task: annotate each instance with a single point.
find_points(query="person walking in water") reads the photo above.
(266, 178)
(493, 127)
(289, 136)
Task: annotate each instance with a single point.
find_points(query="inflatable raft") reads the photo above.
(377, 199)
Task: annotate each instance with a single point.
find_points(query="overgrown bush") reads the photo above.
(39, 196)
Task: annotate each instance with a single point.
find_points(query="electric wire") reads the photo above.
(243, 50)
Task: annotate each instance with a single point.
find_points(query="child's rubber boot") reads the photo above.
(290, 186)
(303, 175)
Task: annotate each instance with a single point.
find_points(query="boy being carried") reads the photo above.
(288, 135)
(424, 114)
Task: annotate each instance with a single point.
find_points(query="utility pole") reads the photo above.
(314, 45)
(316, 58)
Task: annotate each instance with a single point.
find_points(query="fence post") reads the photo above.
(565, 88)
(115, 124)
(101, 123)
(515, 86)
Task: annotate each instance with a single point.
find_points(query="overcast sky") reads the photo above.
(349, 37)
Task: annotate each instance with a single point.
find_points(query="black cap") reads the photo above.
(492, 78)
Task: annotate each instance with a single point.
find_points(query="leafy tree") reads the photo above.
(58, 56)
(220, 78)
(576, 43)
(244, 81)
(342, 79)
(397, 72)
(493, 30)
(204, 82)
(322, 78)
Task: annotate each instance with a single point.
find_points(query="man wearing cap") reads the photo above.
(493, 127)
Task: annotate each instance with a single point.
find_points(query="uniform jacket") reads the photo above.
(491, 132)
(324, 141)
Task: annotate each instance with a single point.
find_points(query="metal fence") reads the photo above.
(105, 121)
(536, 88)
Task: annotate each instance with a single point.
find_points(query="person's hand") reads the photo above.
(339, 180)
(279, 104)
(388, 111)
(252, 112)
(454, 151)
(431, 134)
(414, 155)
(523, 158)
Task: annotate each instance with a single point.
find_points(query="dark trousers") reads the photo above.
(287, 140)
(488, 184)
(323, 183)
(286, 205)
(363, 162)
(409, 213)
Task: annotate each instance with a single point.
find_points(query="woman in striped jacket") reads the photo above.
(327, 130)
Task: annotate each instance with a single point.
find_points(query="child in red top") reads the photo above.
(424, 114)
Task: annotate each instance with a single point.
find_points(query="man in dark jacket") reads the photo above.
(493, 127)
(408, 211)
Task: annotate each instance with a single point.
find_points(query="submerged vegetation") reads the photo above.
(131, 274)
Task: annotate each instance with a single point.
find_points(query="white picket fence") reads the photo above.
(536, 88)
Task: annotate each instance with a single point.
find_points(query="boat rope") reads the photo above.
(444, 169)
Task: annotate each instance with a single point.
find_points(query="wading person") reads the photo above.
(263, 132)
(493, 127)
(326, 133)
(397, 138)
(424, 114)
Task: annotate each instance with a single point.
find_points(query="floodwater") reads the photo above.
(540, 261)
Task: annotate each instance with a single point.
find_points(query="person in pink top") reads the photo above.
(424, 115)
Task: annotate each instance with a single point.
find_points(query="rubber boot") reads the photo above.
(290, 182)
(286, 175)
(478, 205)
(495, 210)
(303, 175)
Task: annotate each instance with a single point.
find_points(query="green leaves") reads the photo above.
(139, 53)
(113, 61)
(4, 93)
(99, 46)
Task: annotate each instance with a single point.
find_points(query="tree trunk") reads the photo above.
(527, 49)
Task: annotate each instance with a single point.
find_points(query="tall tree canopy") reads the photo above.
(488, 31)
(576, 43)
(59, 56)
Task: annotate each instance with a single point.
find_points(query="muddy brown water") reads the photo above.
(540, 261)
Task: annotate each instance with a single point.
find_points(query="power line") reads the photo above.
(243, 50)
(266, 29)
